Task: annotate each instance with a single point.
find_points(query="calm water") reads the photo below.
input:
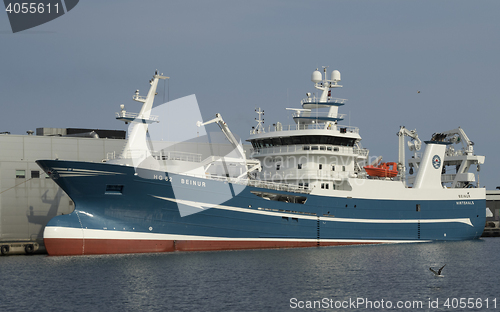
(257, 280)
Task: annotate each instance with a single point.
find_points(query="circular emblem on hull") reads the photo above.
(436, 161)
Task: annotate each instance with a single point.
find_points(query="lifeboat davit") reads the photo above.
(384, 170)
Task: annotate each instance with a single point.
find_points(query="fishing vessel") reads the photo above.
(303, 185)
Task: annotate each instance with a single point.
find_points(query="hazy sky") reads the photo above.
(76, 70)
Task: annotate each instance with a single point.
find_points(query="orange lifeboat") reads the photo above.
(384, 170)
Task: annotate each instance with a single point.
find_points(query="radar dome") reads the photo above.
(316, 76)
(335, 75)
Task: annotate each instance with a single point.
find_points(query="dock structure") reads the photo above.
(492, 228)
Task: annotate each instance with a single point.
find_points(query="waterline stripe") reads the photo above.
(76, 233)
(299, 216)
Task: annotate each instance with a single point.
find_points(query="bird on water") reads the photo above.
(438, 273)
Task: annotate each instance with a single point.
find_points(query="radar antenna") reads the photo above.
(260, 121)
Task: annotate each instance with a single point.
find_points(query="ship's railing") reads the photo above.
(452, 152)
(321, 126)
(139, 98)
(175, 155)
(278, 186)
(160, 155)
(315, 100)
(448, 177)
(310, 174)
(318, 115)
(257, 183)
(461, 177)
(134, 154)
(129, 115)
(361, 151)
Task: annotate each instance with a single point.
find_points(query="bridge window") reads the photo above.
(298, 140)
(287, 141)
(304, 139)
(277, 141)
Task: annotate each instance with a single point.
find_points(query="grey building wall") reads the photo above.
(493, 202)
(28, 198)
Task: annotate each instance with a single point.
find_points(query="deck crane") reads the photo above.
(414, 145)
(458, 136)
(462, 159)
(250, 164)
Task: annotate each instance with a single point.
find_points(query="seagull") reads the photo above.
(438, 273)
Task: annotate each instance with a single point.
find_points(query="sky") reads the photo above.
(75, 71)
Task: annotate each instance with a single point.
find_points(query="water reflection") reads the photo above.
(254, 280)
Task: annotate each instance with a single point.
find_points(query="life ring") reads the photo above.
(5, 249)
(29, 249)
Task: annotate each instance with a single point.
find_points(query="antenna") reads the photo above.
(260, 121)
(324, 71)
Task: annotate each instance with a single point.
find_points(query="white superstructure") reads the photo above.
(316, 147)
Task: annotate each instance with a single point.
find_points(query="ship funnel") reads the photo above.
(429, 173)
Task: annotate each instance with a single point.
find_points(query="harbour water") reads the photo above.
(355, 278)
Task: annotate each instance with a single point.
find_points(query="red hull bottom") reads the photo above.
(73, 247)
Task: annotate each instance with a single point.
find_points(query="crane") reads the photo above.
(458, 135)
(251, 164)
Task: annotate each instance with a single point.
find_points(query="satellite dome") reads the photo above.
(316, 76)
(335, 75)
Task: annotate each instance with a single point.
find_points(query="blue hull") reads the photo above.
(120, 209)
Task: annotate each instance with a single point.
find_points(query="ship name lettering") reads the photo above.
(464, 196)
(465, 202)
(193, 182)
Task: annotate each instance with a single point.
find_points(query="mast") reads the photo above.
(415, 144)
(136, 146)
